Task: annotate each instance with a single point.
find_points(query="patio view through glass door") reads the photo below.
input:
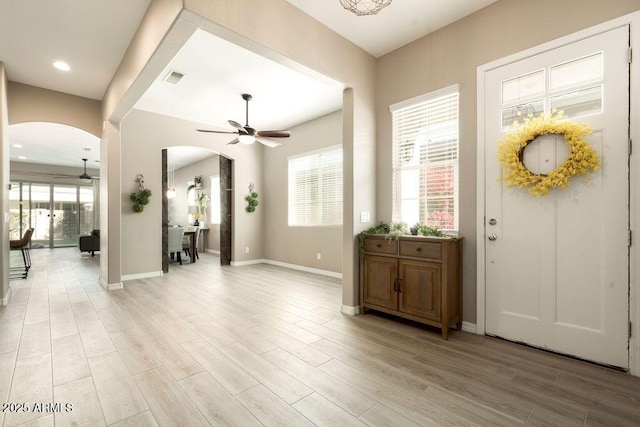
(57, 213)
(65, 215)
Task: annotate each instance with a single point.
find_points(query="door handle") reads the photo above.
(492, 237)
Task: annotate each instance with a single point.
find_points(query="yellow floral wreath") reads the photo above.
(582, 160)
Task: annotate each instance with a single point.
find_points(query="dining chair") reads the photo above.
(186, 243)
(175, 242)
(23, 246)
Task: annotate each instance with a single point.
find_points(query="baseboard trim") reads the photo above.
(6, 298)
(212, 251)
(248, 262)
(469, 327)
(142, 275)
(305, 269)
(351, 311)
(287, 265)
(110, 286)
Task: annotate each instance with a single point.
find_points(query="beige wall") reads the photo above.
(452, 55)
(298, 245)
(4, 184)
(34, 104)
(178, 206)
(141, 232)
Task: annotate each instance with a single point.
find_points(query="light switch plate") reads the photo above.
(365, 217)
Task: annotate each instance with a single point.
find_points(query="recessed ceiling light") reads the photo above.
(17, 145)
(87, 149)
(22, 157)
(62, 66)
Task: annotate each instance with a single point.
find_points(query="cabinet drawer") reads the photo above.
(381, 246)
(419, 249)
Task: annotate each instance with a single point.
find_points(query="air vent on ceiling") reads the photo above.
(173, 77)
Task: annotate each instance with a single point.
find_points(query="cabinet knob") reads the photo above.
(418, 249)
(378, 245)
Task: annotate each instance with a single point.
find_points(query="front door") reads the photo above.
(557, 265)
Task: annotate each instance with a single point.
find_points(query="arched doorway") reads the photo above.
(53, 183)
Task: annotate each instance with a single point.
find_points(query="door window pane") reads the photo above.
(523, 87)
(580, 103)
(16, 226)
(40, 204)
(576, 73)
(519, 113)
(86, 210)
(65, 215)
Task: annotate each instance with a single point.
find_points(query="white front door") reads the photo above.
(557, 272)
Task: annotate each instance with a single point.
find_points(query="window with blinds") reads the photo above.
(315, 188)
(425, 160)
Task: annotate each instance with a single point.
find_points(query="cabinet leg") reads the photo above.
(459, 326)
(445, 332)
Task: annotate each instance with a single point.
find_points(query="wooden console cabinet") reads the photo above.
(418, 278)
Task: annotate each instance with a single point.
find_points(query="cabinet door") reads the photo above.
(380, 274)
(420, 289)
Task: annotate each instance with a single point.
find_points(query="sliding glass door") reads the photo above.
(57, 213)
(65, 215)
(39, 205)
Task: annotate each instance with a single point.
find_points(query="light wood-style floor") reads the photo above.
(262, 345)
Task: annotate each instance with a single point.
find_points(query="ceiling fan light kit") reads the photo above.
(246, 139)
(365, 7)
(248, 135)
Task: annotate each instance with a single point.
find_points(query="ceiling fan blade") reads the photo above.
(216, 131)
(274, 133)
(267, 142)
(235, 141)
(238, 126)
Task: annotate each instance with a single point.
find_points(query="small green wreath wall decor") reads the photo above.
(140, 197)
(252, 198)
(582, 159)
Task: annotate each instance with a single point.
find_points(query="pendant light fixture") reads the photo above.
(365, 7)
(171, 192)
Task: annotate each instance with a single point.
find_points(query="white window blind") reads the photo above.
(315, 188)
(425, 160)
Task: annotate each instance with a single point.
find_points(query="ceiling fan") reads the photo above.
(85, 176)
(82, 177)
(248, 135)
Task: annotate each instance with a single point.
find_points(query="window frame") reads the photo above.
(450, 157)
(292, 220)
